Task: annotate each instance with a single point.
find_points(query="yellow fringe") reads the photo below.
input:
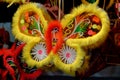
(71, 68)
(88, 42)
(28, 58)
(16, 1)
(11, 2)
(99, 38)
(91, 42)
(16, 20)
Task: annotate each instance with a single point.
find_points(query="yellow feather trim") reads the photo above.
(87, 42)
(77, 44)
(16, 1)
(95, 40)
(71, 68)
(30, 61)
(16, 21)
(13, 1)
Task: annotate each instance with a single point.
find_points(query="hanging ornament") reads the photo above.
(11, 2)
(60, 43)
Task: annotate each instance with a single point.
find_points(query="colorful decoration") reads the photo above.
(87, 25)
(60, 43)
(28, 22)
(12, 64)
(38, 52)
(14, 1)
(8, 55)
(26, 72)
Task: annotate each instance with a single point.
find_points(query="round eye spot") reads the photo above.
(39, 52)
(67, 54)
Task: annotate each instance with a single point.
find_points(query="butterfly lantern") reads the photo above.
(59, 43)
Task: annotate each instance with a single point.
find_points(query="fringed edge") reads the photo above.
(15, 23)
(100, 37)
(15, 1)
(71, 68)
(28, 58)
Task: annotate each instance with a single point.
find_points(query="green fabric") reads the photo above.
(81, 28)
(91, 1)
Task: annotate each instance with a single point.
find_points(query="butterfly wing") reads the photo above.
(92, 29)
(29, 23)
(87, 26)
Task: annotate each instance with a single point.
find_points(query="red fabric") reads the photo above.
(3, 74)
(8, 67)
(9, 53)
(13, 53)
